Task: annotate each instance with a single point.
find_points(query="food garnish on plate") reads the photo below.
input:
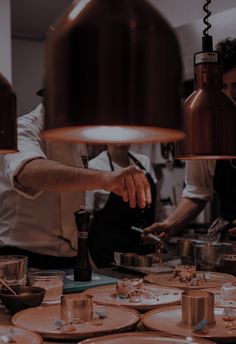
(127, 288)
(185, 273)
(133, 290)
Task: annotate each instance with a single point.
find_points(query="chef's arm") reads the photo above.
(186, 211)
(49, 175)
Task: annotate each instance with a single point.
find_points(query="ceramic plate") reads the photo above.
(213, 280)
(106, 295)
(169, 319)
(19, 335)
(42, 320)
(143, 337)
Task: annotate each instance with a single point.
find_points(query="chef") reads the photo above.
(42, 185)
(112, 218)
(204, 177)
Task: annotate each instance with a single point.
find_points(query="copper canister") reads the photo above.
(196, 306)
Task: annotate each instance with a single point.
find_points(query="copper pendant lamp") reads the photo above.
(8, 137)
(113, 73)
(209, 113)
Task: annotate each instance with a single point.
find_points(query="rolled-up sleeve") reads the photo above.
(30, 147)
(199, 177)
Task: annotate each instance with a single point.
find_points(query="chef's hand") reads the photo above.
(131, 184)
(162, 229)
(232, 233)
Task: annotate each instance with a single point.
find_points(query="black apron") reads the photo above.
(225, 187)
(110, 230)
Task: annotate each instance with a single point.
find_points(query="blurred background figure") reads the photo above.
(206, 178)
(112, 218)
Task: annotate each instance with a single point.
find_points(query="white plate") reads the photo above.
(20, 336)
(106, 295)
(218, 299)
(42, 320)
(214, 280)
(169, 319)
(144, 337)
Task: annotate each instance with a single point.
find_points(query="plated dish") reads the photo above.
(44, 320)
(143, 337)
(203, 280)
(169, 320)
(151, 296)
(12, 334)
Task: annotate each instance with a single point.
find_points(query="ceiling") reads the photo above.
(32, 18)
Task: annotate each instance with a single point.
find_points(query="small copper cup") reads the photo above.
(76, 308)
(196, 306)
(143, 261)
(127, 259)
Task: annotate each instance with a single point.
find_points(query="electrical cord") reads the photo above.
(205, 19)
(207, 44)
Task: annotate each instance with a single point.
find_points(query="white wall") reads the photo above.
(5, 39)
(27, 64)
(190, 36)
(181, 12)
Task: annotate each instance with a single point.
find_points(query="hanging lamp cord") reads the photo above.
(205, 19)
(207, 44)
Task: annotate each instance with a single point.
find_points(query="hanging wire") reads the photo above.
(205, 19)
(207, 44)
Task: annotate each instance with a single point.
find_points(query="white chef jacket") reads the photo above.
(96, 199)
(199, 179)
(32, 219)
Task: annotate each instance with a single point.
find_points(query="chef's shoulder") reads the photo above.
(100, 162)
(32, 121)
(143, 159)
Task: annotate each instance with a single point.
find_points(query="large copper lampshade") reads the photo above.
(113, 73)
(209, 113)
(8, 138)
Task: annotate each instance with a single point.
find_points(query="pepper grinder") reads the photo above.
(82, 269)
